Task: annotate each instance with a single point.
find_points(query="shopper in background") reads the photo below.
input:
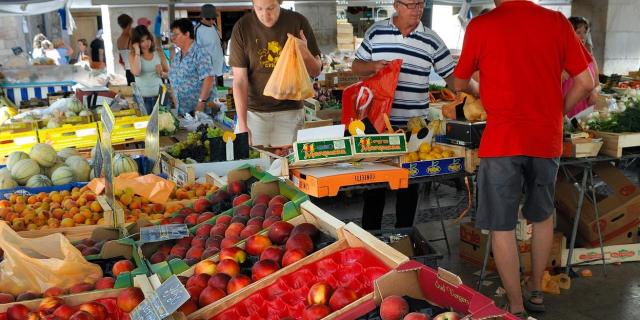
(191, 74)
(81, 53)
(50, 52)
(256, 43)
(208, 36)
(64, 50)
(124, 45)
(37, 46)
(522, 141)
(581, 27)
(422, 52)
(147, 65)
(98, 60)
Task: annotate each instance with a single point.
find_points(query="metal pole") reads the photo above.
(172, 13)
(427, 14)
(576, 219)
(595, 208)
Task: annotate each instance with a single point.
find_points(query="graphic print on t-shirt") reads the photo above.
(269, 55)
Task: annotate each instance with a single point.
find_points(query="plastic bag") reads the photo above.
(372, 98)
(150, 186)
(192, 123)
(38, 264)
(289, 79)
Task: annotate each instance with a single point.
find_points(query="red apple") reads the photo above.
(342, 297)
(258, 210)
(262, 199)
(235, 187)
(184, 242)
(270, 220)
(229, 241)
(274, 211)
(242, 210)
(263, 268)
(158, 257)
(204, 230)
(238, 282)
(179, 251)
(205, 217)
(393, 308)
(250, 230)
(195, 253)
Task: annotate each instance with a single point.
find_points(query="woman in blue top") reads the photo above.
(147, 65)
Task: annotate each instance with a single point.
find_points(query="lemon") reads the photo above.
(414, 156)
(437, 149)
(447, 153)
(424, 156)
(425, 147)
(430, 157)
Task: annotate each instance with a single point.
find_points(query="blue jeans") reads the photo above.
(149, 103)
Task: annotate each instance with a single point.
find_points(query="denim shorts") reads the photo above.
(501, 182)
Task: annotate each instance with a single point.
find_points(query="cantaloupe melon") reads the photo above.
(63, 175)
(4, 172)
(24, 169)
(7, 183)
(68, 152)
(49, 171)
(123, 163)
(44, 154)
(80, 167)
(38, 181)
(14, 157)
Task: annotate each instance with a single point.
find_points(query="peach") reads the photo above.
(201, 205)
(235, 187)
(176, 220)
(240, 219)
(90, 251)
(199, 241)
(393, 308)
(300, 241)
(316, 312)
(209, 252)
(7, 298)
(416, 316)
(229, 241)
(185, 242)
(270, 220)
(255, 221)
(194, 293)
(219, 280)
(291, 256)
(64, 312)
(25, 296)
(229, 267)
(250, 230)
(272, 253)
(49, 304)
(198, 280)
(17, 312)
(280, 232)
(263, 268)
(279, 199)
(210, 295)
(97, 310)
(234, 229)
(306, 228)
(240, 199)
(186, 211)
(188, 307)
(233, 253)
(205, 266)
(223, 219)
(81, 315)
(213, 242)
(191, 220)
(256, 244)
(54, 292)
(342, 297)
(122, 266)
(319, 293)
(204, 230)
(261, 199)
(258, 210)
(242, 210)
(218, 230)
(205, 217)
(129, 299)
(195, 253)
(274, 211)
(447, 316)
(158, 257)
(237, 283)
(81, 287)
(105, 283)
(179, 251)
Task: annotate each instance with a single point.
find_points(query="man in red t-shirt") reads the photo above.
(520, 65)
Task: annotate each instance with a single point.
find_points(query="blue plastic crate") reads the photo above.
(6, 193)
(438, 167)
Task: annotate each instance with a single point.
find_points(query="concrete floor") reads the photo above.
(616, 296)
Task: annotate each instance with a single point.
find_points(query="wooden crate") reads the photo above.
(71, 300)
(614, 143)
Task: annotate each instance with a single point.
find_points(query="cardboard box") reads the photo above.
(614, 143)
(327, 180)
(471, 159)
(428, 168)
(441, 288)
(473, 243)
(619, 213)
(581, 148)
(379, 145)
(72, 299)
(351, 236)
(612, 254)
(321, 151)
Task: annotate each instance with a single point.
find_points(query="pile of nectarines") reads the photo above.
(395, 307)
(51, 210)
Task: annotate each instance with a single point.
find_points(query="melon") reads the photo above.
(14, 157)
(4, 172)
(80, 167)
(39, 180)
(63, 175)
(24, 169)
(123, 163)
(75, 105)
(44, 154)
(7, 183)
(49, 171)
(53, 123)
(68, 152)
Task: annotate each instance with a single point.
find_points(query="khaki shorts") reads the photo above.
(275, 129)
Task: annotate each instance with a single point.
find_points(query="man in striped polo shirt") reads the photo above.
(422, 51)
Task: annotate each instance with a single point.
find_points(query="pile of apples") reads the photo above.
(55, 308)
(282, 246)
(102, 284)
(209, 239)
(396, 308)
(52, 210)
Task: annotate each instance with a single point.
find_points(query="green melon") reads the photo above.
(7, 183)
(39, 180)
(68, 152)
(80, 167)
(123, 163)
(14, 157)
(24, 169)
(44, 154)
(63, 175)
(4, 172)
(49, 171)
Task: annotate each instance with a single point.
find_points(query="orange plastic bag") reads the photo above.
(289, 79)
(38, 264)
(372, 98)
(150, 186)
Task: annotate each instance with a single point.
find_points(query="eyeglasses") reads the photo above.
(209, 19)
(173, 34)
(414, 5)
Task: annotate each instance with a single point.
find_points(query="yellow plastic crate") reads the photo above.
(122, 113)
(79, 136)
(15, 140)
(129, 129)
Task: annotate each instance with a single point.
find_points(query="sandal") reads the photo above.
(532, 306)
(521, 315)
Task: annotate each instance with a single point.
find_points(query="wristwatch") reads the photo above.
(202, 100)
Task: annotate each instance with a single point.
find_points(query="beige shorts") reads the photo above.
(275, 128)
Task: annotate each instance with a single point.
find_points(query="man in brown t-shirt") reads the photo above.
(256, 43)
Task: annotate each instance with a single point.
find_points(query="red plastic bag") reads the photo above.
(372, 98)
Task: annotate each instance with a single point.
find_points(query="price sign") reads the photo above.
(163, 302)
(108, 122)
(163, 232)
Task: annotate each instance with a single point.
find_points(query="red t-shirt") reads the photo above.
(521, 49)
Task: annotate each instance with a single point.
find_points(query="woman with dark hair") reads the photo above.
(124, 45)
(581, 27)
(147, 65)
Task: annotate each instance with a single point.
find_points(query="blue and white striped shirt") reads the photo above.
(421, 51)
